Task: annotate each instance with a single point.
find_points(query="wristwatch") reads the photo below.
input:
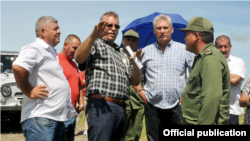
(140, 90)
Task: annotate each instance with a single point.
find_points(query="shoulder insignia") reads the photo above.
(208, 52)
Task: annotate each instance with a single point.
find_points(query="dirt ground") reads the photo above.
(14, 133)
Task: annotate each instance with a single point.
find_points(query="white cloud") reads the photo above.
(238, 37)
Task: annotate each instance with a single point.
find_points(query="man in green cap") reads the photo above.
(134, 108)
(206, 98)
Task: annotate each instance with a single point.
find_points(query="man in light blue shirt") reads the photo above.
(165, 65)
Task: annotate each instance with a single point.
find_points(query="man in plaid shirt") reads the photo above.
(108, 76)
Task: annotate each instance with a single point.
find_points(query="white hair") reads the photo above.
(163, 17)
(42, 21)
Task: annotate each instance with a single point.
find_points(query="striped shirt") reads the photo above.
(107, 71)
(166, 73)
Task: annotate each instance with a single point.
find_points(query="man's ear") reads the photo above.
(172, 29)
(154, 30)
(65, 45)
(197, 36)
(123, 41)
(42, 30)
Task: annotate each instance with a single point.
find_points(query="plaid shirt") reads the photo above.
(107, 71)
(166, 73)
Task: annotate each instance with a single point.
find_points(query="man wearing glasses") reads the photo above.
(108, 76)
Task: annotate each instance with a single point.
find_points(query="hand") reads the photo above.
(38, 92)
(139, 55)
(142, 94)
(98, 31)
(180, 101)
(79, 109)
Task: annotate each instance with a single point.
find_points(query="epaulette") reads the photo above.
(208, 52)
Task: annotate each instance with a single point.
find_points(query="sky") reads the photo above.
(18, 19)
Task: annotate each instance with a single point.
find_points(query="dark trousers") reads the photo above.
(233, 119)
(106, 120)
(158, 119)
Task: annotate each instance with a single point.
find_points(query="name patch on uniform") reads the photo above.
(208, 52)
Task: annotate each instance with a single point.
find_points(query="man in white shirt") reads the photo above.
(237, 75)
(47, 99)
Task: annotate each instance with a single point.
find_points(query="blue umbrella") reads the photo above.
(144, 27)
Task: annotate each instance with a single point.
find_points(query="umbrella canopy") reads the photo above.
(144, 27)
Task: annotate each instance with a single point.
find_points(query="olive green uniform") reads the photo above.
(206, 98)
(135, 114)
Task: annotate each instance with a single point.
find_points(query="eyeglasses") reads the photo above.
(111, 25)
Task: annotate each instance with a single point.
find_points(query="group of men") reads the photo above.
(52, 87)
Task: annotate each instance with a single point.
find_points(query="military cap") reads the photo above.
(199, 24)
(131, 33)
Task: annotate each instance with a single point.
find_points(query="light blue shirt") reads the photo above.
(166, 73)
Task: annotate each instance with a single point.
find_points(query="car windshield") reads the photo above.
(6, 63)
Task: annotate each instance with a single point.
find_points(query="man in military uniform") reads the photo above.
(134, 108)
(205, 100)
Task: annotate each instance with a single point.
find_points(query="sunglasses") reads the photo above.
(111, 25)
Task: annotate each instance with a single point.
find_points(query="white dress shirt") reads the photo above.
(40, 59)
(236, 66)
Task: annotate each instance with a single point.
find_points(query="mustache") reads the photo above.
(224, 52)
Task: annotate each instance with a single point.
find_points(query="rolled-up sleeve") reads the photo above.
(28, 58)
(239, 69)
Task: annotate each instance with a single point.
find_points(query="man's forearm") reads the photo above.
(234, 78)
(22, 79)
(135, 77)
(82, 52)
(137, 88)
(81, 100)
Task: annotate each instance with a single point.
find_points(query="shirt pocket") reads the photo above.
(193, 94)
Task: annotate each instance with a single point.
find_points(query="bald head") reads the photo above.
(222, 37)
(223, 44)
(71, 43)
(70, 38)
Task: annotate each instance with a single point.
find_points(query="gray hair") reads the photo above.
(163, 17)
(42, 21)
(110, 13)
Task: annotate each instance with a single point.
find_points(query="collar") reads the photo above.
(229, 58)
(202, 52)
(63, 56)
(44, 44)
(168, 45)
(115, 46)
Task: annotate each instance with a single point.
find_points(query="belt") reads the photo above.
(116, 101)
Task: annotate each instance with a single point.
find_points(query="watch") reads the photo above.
(140, 90)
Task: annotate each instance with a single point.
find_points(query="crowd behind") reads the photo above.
(115, 94)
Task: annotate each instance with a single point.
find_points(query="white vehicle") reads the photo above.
(11, 96)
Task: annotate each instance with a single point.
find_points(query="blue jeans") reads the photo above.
(44, 129)
(106, 120)
(233, 119)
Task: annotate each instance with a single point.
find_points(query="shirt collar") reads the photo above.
(229, 58)
(44, 44)
(115, 46)
(168, 45)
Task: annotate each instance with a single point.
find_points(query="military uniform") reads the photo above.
(135, 114)
(205, 100)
